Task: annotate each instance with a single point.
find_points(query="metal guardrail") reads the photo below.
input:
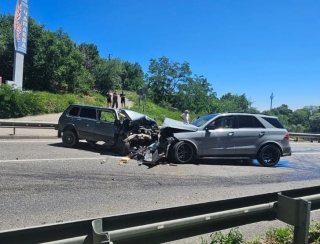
(292, 207)
(310, 136)
(50, 125)
(29, 125)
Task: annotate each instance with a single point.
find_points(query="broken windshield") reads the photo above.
(200, 121)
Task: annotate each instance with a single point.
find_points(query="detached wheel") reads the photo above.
(69, 139)
(123, 148)
(183, 152)
(269, 155)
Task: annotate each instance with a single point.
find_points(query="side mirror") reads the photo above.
(210, 127)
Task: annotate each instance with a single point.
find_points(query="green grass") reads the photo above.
(271, 236)
(157, 112)
(15, 104)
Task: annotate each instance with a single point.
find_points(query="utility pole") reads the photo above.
(271, 98)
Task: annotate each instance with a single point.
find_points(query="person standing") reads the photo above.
(109, 96)
(123, 99)
(185, 116)
(115, 99)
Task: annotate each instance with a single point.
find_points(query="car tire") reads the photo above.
(123, 148)
(183, 152)
(69, 139)
(269, 155)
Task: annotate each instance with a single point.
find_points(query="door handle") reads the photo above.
(231, 134)
(261, 133)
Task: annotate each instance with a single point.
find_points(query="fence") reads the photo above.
(49, 125)
(292, 207)
(309, 136)
(29, 125)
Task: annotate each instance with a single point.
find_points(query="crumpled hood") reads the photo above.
(135, 116)
(171, 123)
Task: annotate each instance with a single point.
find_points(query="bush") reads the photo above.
(15, 103)
(271, 236)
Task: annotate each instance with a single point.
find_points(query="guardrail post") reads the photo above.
(99, 237)
(295, 212)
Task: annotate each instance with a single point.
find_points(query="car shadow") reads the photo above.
(208, 161)
(227, 162)
(107, 150)
(102, 149)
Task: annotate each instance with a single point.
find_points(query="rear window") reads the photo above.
(274, 121)
(88, 113)
(74, 111)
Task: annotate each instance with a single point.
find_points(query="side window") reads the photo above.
(224, 122)
(88, 113)
(247, 121)
(257, 123)
(107, 116)
(74, 111)
(275, 122)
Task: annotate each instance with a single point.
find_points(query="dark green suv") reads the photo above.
(123, 129)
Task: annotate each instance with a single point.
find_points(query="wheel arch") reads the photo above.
(269, 143)
(195, 148)
(71, 127)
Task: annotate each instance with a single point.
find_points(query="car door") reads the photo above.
(105, 126)
(219, 137)
(86, 122)
(251, 133)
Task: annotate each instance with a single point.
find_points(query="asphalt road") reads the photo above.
(41, 182)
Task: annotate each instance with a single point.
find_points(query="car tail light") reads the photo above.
(286, 137)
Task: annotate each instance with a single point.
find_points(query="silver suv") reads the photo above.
(123, 129)
(227, 135)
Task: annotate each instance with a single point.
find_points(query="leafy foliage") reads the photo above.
(15, 103)
(165, 77)
(56, 64)
(232, 237)
(6, 47)
(271, 236)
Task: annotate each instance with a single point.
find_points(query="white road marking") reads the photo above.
(56, 159)
(27, 141)
(305, 153)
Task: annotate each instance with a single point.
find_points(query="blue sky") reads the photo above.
(252, 47)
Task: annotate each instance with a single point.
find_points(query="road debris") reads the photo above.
(124, 160)
(107, 160)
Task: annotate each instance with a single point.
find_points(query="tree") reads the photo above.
(6, 47)
(300, 117)
(54, 62)
(315, 122)
(312, 109)
(235, 103)
(196, 95)
(91, 53)
(164, 78)
(131, 76)
(107, 74)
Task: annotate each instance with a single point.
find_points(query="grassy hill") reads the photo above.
(15, 104)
